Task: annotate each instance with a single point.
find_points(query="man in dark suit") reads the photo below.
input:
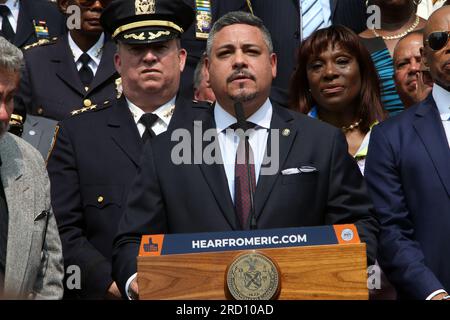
(30, 21)
(408, 174)
(96, 153)
(311, 179)
(74, 70)
(285, 23)
(194, 39)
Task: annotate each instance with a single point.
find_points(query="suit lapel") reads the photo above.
(297, 6)
(106, 69)
(25, 28)
(285, 133)
(428, 126)
(21, 216)
(214, 174)
(124, 131)
(66, 69)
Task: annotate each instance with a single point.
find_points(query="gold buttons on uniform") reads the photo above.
(40, 110)
(87, 103)
(286, 132)
(100, 199)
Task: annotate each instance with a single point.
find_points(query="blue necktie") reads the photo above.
(312, 16)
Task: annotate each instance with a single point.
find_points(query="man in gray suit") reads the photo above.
(30, 249)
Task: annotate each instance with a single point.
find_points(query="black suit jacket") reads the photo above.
(170, 198)
(38, 10)
(282, 18)
(96, 154)
(196, 47)
(51, 86)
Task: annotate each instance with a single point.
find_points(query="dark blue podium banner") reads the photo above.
(183, 243)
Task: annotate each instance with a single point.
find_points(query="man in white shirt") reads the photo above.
(408, 174)
(310, 179)
(97, 151)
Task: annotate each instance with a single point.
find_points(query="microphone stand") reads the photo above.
(242, 124)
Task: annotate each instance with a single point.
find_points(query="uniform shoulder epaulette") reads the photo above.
(41, 42)
(88, 106)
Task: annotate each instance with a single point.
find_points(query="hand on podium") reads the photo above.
(133, 290)
(113, 292)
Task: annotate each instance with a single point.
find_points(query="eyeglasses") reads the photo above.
(90, 3)
(437, 40)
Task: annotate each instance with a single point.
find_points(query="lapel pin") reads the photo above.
(286, 132)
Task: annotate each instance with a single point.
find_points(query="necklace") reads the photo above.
(400, 35)
(352, 126)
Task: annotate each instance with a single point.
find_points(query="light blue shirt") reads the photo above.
(442, 99)
(326, 12)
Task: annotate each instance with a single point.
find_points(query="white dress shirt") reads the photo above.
(164, 114)
(13, 18)
(442, 99)
(229, 141)
(95, 53)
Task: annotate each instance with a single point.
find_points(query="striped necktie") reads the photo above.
(244, 178)
(312, 16)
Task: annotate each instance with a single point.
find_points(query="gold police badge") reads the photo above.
(253, 276)
(145, 6)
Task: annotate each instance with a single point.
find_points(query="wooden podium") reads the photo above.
(308, 271)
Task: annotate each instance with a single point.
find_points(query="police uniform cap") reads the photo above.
(146, 21)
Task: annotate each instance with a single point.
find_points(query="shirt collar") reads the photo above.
(442, 99)
(262, 117)
(95, 52)
(164, 112)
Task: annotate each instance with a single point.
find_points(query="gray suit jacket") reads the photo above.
(34, 264)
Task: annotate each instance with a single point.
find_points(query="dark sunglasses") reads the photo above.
(90, 3)
(437, 40)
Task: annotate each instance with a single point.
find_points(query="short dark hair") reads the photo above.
(238, 17)
(370, 106)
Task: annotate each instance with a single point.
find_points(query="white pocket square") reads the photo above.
(307, 169)
(302, 169)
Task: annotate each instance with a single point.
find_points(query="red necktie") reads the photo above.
(243, 191)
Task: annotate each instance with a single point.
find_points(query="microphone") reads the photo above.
(240, 117)
(242, 124)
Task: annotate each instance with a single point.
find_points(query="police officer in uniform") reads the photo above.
(74, 70)
(96, 151)
(23, 22)
(194, 39)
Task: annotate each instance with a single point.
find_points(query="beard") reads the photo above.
(242, 95)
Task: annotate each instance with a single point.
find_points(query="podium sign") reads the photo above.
(325, 262)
